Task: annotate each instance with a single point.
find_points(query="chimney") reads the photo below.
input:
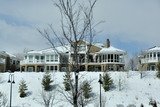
(107, 43)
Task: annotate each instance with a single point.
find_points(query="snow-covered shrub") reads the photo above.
(46, 81)
(22, 88)
(66, 80)
(86, 95)
(107, 82)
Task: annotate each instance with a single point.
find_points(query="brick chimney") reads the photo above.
(107, 45)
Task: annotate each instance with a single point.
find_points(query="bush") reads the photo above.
(158, 70)
(67, 80)
(107, 82)
(22, 88)
(46, 81)
(87, 89)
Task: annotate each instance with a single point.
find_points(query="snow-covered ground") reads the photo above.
(134, 90)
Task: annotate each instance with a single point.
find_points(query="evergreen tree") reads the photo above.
(158, 70)
(67, 80)
(22, 88)
(87, 89)
(107, 82)
(46, 81)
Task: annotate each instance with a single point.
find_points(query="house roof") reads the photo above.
(4, 53)
(61, 49)
(111, 50)
(153, 49)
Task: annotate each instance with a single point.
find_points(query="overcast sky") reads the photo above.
(131, 25)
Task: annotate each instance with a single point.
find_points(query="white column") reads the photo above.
(156, 55)
(152, 55)
(34, 58)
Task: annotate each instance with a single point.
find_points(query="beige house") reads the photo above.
(100, 58)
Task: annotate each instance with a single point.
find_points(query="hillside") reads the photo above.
(134, 90)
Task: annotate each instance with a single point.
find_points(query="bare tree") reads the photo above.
(76, 26)
(133, 62)
(46, 98)
(3, 100)
(121, 82)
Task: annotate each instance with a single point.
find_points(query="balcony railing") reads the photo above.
(120, 61)
(152, 60)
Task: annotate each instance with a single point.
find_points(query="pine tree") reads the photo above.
(46, 81)
(66, 82)
(158, 69)
(107, 82)
(87, 89)
(22, 88)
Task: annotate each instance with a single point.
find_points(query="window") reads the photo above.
(56, 58)
(47, 58)
(159, 54)
(25, 57)
(103, 58)
(51, 68)
(115, 58)
(37, 58)
(154, 54)
(55, 67)
(30, 58)
(42, 58)
(47, 68)
(52, 58)
(111, 57)
(150, 55)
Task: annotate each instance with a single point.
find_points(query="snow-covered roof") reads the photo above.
(61, 49)
(4, 53)
(154, 49)
(10, 55)
(100, 45)
(111, 50)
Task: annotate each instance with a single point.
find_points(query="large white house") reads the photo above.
(44, 60)
(100, 58)
(150, 58)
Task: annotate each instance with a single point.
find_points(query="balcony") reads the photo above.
(152, 60)
(111, 61)
(32, 62)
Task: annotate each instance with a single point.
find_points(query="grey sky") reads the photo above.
(126, 21)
